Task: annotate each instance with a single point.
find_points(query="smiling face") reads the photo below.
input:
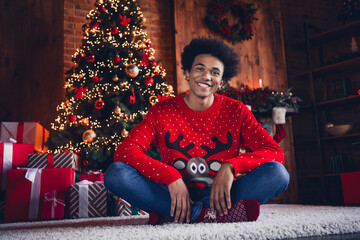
(205, 76)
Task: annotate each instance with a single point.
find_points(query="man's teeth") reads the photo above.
(203, 85)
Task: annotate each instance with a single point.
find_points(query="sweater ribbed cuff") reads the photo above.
(173, 175)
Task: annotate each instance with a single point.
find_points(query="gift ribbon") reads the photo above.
(7, 162)
(51, 198)
(50, 160)
(34, 176)
(84, 197)
(20, 132)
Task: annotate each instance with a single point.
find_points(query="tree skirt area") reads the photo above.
(276, 221)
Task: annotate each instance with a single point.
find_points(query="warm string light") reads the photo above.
(94, 39)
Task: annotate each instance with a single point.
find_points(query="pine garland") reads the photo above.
(217, 21)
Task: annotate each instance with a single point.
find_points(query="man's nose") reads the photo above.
(207, 75)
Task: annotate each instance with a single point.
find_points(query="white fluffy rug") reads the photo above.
(276, 221)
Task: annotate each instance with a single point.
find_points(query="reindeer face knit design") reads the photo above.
(194, 144)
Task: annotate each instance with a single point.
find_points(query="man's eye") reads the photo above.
(199, 69)
(216, 73)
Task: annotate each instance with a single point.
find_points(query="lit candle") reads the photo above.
(260, 83)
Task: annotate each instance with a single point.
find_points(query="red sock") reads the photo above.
(280, 133)
(156, 218)
(241, 211)
(153, 218)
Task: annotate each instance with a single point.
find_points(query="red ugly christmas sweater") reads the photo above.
(194, 144)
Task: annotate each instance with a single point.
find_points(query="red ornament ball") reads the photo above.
(103, 9)
(116, 59)
(99, 104)
(95, 25)
(78, 58)
(72, 118)
(154, 63)
(148, 81)
(90, 57)
(95, 79)
(114, 30)
(86, 163)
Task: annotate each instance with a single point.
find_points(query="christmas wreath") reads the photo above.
(218, 22)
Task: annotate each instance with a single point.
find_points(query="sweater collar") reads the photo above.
(206, 113)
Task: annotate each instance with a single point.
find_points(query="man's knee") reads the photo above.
(116, 174)
(279, 173)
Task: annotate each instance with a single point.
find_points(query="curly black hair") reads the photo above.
(214, 47)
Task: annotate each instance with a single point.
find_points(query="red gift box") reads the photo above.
(92, 176)
(351, 187)
(26, 188)
(53, 206)
(12, 155)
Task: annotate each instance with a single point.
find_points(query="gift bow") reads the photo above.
(79, 92)
(94, 171)
(84, 197)
(51, 198)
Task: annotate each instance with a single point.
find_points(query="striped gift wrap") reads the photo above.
(123, 208)
(96, 204)
(58, 160)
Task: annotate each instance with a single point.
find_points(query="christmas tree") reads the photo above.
(114, 82)
(350, 11)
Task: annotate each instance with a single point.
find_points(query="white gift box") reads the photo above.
(25, 133)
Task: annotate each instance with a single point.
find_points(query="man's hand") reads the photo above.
(180, 201)
(220, 190)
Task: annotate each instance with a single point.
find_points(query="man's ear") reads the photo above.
(222, 83)
(187, 75)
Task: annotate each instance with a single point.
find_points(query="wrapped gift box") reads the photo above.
(26, 189)
(26, 133)
(13, 155)
(123, 208)
(2, 205)
(120, 207)
(53, 205)
(50, 160)
(88, 200)
(92, 176)
(351, 187)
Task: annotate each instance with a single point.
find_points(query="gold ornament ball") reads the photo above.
(117, 110)
(115, 78)
(89, 136)
(153, 100)
(170, 88)
(124, 133)
(132, 70)
(131, 54)
(84, 121)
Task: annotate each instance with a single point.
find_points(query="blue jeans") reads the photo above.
(262, 184)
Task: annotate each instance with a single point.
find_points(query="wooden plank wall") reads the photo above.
(31, 59)
(262, 57)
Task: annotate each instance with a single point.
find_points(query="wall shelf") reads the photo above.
(318, 150)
